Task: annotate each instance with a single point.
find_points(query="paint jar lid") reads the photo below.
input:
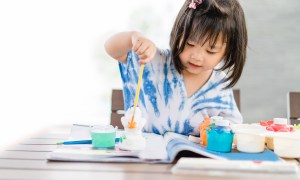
(282, 121)
(220, 122)
(215, 118)
(103, 129)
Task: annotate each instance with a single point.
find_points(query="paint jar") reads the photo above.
(250, 140)
(220, 137)
(266, 123)
(279, 125)
(103, 136)
(238, 127)
(207, 124)
(286, 144)
(203, 127)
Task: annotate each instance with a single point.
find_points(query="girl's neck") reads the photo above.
(194, 82)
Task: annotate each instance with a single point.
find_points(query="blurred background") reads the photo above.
(54, 70)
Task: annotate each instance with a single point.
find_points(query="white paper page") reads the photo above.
(170, 135)
(155, 147)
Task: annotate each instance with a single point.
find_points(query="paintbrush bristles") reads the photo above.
(132, 124)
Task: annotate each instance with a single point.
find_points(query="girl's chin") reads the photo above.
(196, 71)
(193, 71)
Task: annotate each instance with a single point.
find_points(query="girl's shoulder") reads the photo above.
(162, 55)
(162, 59)
(217, 76)
(218, 79)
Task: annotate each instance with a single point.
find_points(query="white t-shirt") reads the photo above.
(163, 98)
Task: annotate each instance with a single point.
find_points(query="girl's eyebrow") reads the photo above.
(215, 47)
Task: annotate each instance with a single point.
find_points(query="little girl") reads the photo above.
(193, 79)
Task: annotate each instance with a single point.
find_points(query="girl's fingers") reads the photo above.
(143, 56)
(143, 61)
(136, 45)
(142, 49)
(145, 49)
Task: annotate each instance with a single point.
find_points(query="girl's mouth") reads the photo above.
(194, 66)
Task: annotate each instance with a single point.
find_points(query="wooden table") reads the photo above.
(27, 160)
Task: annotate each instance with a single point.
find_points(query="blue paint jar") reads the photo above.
(220, 137)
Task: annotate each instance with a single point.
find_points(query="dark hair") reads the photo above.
(206, 23)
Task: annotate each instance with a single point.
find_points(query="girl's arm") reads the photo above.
(119, 44)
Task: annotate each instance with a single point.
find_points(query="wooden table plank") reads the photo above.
(23, 155)
(82, 166)
(36, 148)
(6, 174)
(11, 174)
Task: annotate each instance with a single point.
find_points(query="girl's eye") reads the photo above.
(211, 52)
(189, 44)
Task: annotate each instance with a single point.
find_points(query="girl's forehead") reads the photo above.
(216, 42)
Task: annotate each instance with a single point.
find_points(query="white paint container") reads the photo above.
(278, 123)
(249, 138)
(287, 144)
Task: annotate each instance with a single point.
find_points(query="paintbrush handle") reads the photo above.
(136, 99)
(137, 93)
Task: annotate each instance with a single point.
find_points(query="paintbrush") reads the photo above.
(132, 123)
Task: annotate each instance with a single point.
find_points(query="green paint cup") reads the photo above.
(103, 136)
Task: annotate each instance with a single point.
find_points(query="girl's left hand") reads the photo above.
(144, 47)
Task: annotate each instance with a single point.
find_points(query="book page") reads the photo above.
(155, 151)
(155, 148)
(169, 136)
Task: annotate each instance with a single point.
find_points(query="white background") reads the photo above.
(53, 66)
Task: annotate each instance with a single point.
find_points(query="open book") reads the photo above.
(159, 149)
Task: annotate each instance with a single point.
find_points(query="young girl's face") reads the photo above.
(197, 58)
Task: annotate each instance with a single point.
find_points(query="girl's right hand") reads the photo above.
(143, 46)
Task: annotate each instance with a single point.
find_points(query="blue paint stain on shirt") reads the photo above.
(167, 86)
(150, 91)
(231, 103)
(182, 97)
(187, 128)
(127, 95)
(211, 87)
(169, 123)
(216, 99)
(142, 99)
(176, 130)
(123, 72)
(155, 130)
(210, 107)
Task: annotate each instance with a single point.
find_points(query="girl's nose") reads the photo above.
(197, 56)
